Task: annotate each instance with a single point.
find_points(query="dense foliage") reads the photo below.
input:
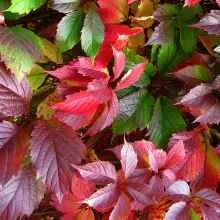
(109, 109)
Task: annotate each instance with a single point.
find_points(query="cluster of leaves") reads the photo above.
(86, 84)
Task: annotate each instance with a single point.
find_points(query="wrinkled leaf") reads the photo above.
(52, 162)
(21, 195)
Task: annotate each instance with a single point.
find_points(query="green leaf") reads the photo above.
(4, 4)
(188, 39)
(166, 55)
(92, 33)
(23, 7)
(143, 109)
(36, 77)
(189, 15)
(166, 120)
(68, 30)
(19, 49)
(194, 215)
(135, 112)
(154, 52)
(202, 73)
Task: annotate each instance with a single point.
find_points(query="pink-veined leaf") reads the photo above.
(74, 121)
(131, 77)
(157, 159)
(210, 22)
(100, 172)
(122, 208)
(119, 65)
(84, 102)
(20, 195)
(13, 147)
(103, 199)
(54, 148)
(14, 96)
(128, 159)
(139, 194)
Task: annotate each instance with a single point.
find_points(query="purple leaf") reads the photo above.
(128, 159)
(210, 22)
(103, 199)
(20, 195)
(14, 96)
(159, 35)
(122, 208)
(13, 147)
(180, 187)
(177, 211)
(100, 172)
(210, 195)
(211, 116)
(54, 148)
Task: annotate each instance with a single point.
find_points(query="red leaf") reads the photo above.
(210, 22)
(84, 102)
(191, 3)
(53, 152)
(99, 172)
(106, 117)
(195, 154)
(13, 147)
(211, 173)
(116, 36)
(113, 11)
(176, 156)
(131, 77)
(14, 96)
(20, 195)
(71, 203)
